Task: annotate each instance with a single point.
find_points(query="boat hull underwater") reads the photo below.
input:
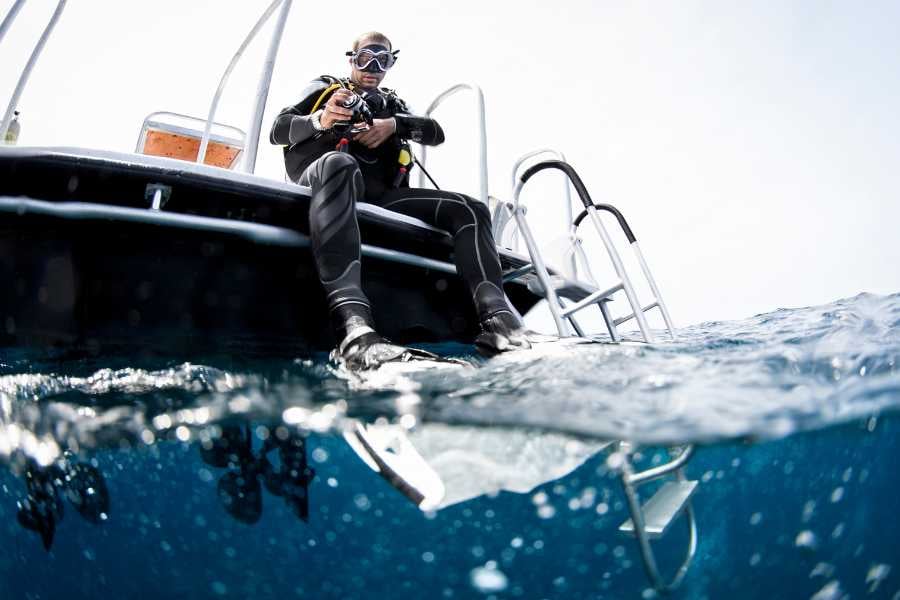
(223, 262)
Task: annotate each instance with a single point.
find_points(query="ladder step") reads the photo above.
(630, 316)
(662, 509)
(514, 274)
(592, 298)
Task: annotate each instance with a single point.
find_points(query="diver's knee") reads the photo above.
(482, 212)
(338, 160)
(331, 162)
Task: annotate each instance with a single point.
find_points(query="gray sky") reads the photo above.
(752, 145)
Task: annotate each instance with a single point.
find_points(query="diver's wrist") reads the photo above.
(316, 120)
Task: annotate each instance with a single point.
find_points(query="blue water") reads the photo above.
(793, 411)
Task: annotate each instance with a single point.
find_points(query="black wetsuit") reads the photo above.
(339, 180)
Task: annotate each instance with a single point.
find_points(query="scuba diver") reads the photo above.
(347, 140)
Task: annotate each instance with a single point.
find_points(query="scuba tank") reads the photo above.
(12, 134)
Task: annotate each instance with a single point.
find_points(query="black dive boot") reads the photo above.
(502, 331)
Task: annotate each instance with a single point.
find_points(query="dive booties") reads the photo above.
(362, 348)
(502, 331)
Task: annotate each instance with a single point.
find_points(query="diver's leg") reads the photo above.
(469, 222)
(337, 184)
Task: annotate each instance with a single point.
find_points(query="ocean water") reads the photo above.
(225, 476)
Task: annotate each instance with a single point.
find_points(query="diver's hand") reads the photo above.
(377, 133)
(334, 112)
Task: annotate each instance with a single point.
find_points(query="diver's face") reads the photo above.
(370, 77)
(365, 79)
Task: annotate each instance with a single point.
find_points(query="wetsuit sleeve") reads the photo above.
(422, 130)
(292, 125)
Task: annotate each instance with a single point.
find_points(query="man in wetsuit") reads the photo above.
(369, 171)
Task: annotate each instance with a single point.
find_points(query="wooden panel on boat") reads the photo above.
(184, 147)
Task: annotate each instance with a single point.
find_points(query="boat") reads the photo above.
(224, 260)
(179, 247)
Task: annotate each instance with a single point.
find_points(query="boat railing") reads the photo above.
(10, 17)
(214, 105)
(32, 60)
(249, 142)
(262, 90)
(482, 136)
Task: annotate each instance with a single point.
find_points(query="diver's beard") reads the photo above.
(360, 76)
(370, 84)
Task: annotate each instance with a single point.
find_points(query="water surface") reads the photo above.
(793, 412)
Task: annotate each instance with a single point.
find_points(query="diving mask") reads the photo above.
(373, 58)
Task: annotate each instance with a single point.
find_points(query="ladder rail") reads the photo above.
(630, 481)
(591, 211)
(636, 249)
(540, 268)
(568, 261)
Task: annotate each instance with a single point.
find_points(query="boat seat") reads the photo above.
(173, 135)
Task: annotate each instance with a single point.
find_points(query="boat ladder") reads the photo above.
(651, 520)
(581, 294)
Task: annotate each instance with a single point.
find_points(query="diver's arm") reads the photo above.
(422, 130)
(291, 128)
(294, 124)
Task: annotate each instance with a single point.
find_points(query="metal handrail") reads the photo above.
(573, 266)
(662, 470)
(482, 133)
(10, 17)
(26, 72)
(585, 197)
(251, 147)
(204, 140)
(632, 241)
(629, 481)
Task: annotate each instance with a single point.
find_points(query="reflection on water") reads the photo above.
(79, 483)
(286, 475)
(279, 463)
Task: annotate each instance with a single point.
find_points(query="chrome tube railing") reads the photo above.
(630, 481)
(29, 66)
(482, 136)
(211, 117)
(572, 264)
(591, 212)
(10, 17)
(262, 91)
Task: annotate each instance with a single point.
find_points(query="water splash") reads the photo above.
(762, 377)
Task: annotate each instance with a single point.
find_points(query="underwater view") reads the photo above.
(234, 477)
